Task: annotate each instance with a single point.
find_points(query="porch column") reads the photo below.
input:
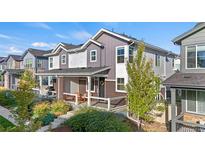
(40, 84)
(89, 89)
(173, 109)
(58, 91)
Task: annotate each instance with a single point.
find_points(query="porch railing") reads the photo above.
(75, 96)
(183, 126)
(109, 100)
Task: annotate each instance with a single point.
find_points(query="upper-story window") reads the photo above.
(157, 60)
(51, 62)
(39, 63)
(93, 55)
(131, 54)
(28, 63)
(63, 59)
(120, 55)
(195, 56)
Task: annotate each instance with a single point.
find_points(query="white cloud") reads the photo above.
(41, 25)
(14, 50)
(5, 36)
(40, 44)
(62, 36)
(81, 35)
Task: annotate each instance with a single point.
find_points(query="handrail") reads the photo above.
(190, 124)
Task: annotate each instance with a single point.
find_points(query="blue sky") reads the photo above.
(15, 38)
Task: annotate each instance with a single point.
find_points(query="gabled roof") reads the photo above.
(15, 57)
(2, 59)
(199, 26)
(64, 46)
(91, 41)
(131, 39)
(37, 52)
(186, 80)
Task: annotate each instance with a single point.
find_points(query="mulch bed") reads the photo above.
(62, 129)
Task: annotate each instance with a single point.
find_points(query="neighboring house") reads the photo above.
(2, 67)
(188, 85)
(35, 61)
(177, 64)
(14, 67)
(97, 69)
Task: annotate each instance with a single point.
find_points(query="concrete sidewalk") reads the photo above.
(7, 114)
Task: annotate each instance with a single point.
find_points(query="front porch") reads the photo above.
(86, 87)
(187, 110)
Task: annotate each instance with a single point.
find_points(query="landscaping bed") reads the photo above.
(5, 124)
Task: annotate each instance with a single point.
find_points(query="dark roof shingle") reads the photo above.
(191, 80)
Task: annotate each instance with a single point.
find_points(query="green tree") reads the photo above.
(24, 98)
(143, 86)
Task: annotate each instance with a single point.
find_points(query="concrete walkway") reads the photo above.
(7, 115)
(57, 122)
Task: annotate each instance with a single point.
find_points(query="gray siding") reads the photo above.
(63, 52)
(107, 53)
(29, 56)
(195, 39)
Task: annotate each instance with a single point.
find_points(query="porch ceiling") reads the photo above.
(186, 80)
(83, 71)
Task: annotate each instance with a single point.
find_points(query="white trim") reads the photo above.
(116, 55)
(62, 59)
(93, 41)
(196, 102)
(91, 56)
(196, 67)
(49, 60)
(55, 51)
(86, 85)
(109, 32)
(113, 80)
(121, 91)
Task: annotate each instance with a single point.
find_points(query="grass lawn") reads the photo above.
(4, 123)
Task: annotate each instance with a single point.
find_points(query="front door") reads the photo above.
(101, 87)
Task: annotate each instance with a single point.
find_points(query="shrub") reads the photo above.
(7, 99)
(97, 121)
(59, 107)
(41, 110)
(47, 119)
(5, 124)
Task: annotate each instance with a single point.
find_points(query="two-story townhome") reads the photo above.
(95, 72)
(14, 67)
(2, 67)
(188, 85)
(35, 61)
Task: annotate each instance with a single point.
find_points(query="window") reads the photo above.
(191, 101)
(121, 84)
(28, 63)
(201, 56)
(195, 56)
(196, 101)
(191, 57)
(51, 62)
(120, 55)
(157, 60)
(93, 55)
(131, 54)
(92, 88)
(39, 63)
(63, 59)
(173, 63)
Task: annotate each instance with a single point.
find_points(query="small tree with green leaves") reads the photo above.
(143, 86)
(24, 97)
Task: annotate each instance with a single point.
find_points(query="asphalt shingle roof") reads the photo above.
(76, 71)
(192, 80)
